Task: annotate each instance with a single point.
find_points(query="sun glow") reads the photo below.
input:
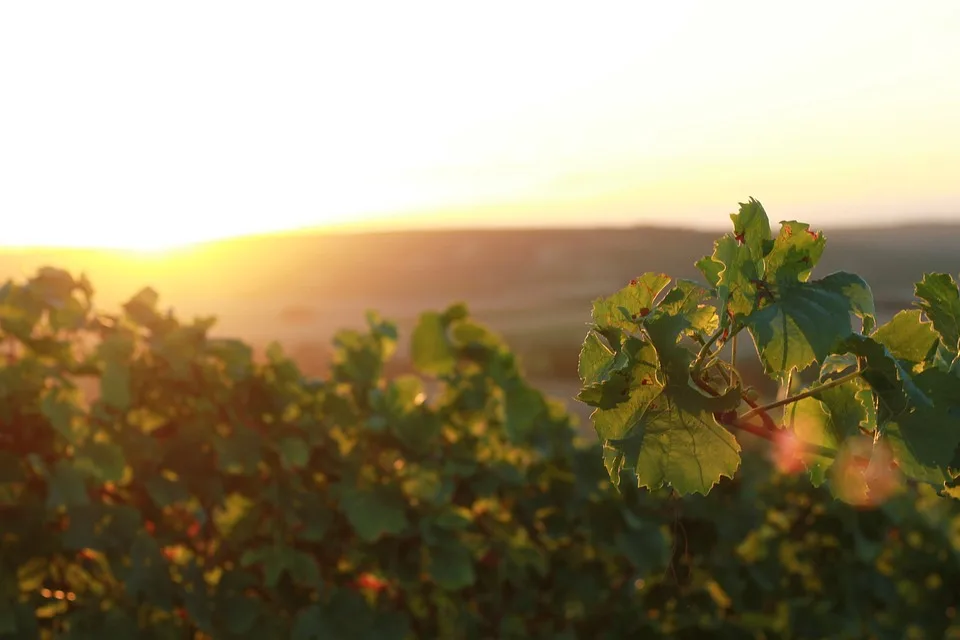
(149, 127)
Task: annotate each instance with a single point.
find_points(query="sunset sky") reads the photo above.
(155, 124)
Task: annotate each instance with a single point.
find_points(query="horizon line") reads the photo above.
(369, 229)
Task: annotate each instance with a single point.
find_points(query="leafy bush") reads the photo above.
(660, 367)
(157, 482)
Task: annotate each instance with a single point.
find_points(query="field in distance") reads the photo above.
(533, 286)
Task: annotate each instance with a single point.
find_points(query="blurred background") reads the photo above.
(287, 169)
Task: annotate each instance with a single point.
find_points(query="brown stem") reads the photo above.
(800, 396)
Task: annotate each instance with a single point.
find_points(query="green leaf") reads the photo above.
(165, 491)
(687, 298)
(294, 452)
(753, 226)
(625, 307)
(86, 522)
(892, 385)
(606, 394)
(54, 287)
(918, 416)
(738, 261)
(604, 373)
(451, 566)
(710, 269)
(142, 308)
(373, 513)
(275, 560)
(738, 271)
(236, 356)
(858, 293)
(828, 419)
(8, 619)
(597, 361)
(196, 597)
(454, 518)
(430, 348)
(907, 336)
(803, 324)
(940, 300)
(924, 437)
(312, 624)
(116, 351)
(67, 486)
(239, 452)
(59, 406)
(522, 406)
(241, 613)
(102, 460)
(666, 432)
(72, 316)
(665, 443)
(795, 253)
(148, 573)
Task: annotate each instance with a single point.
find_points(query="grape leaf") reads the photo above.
(165, 491)
(277, 559)
(859, 295)
(312, 624)
(827, 419)
(142, 308)
(918, 416)
(373, 513)
(924, 437)
(739, 268)
(940, 300)
(54, 287)
(451, 566)
(67, 486)
(102, 460)
(605, 374)
(891, 383)
(294, 452)
(239, 452)
(666, 443)
(522, 406)
(429, 346)
(687, 298)
(59, 406)
(752, 225)
(636, 300)
(907, 336)
(710, 269)
(804, 323)
(666, 432)
(796, 251)
(116, 351)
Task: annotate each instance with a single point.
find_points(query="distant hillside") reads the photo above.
(534, 286)
(489, 266)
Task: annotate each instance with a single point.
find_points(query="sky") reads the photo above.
(150, 125)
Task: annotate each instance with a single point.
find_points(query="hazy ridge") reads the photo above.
(534, 286)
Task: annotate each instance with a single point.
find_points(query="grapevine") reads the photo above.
(659, 366)
(161, 482)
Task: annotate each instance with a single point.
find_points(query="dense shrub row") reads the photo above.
(156, 482)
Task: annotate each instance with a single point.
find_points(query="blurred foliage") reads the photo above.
(156, 482)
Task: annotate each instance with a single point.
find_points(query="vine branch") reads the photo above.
(763, 409)
(705, 350)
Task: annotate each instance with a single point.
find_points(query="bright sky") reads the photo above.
(138, 124)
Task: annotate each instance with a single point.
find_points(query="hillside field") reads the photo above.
(533, 286)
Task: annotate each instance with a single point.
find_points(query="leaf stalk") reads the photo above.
(800, 396)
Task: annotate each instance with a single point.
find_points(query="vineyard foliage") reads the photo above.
(159, 482)
(659, 365)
